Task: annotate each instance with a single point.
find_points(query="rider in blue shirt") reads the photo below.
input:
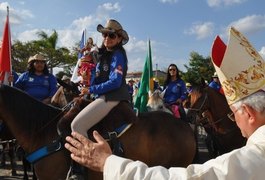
(175, 92)
(174, 87)
(215, 83)
(109, 84)
(37, 81)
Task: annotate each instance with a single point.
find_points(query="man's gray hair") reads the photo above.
(255, 101)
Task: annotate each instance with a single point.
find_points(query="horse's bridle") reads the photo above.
(205, 120)
(200, 112)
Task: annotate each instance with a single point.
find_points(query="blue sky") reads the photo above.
(175, 27)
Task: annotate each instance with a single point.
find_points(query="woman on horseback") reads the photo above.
(109, 85)
(174, 90)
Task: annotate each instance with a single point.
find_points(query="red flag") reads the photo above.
(5, 53)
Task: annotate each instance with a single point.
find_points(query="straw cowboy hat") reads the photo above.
(37, 57)
(240, 68)
(113, 26)
(65, 78)
(188, 84)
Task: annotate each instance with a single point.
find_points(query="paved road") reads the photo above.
(5, 172)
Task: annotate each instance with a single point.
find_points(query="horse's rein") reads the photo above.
(65, 108)
(200, 108)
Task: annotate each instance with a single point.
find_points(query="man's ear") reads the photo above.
(250, 112)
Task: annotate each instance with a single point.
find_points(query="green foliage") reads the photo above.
(46, 45)
(199, 68)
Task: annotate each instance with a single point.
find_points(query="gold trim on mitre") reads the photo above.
(240, 68)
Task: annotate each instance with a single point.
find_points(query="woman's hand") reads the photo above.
(179, 102)
(84, 91)
(87, 153)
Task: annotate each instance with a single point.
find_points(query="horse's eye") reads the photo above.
(160, 107)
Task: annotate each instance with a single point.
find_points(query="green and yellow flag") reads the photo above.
(146, 83)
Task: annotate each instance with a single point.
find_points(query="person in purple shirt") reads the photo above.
(37, 81)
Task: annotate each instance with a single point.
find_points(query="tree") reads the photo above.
(199, 68)
(47, 45)
(57, 56)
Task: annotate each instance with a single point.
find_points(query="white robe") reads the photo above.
(245, 163)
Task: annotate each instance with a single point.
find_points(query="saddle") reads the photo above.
(110, 127)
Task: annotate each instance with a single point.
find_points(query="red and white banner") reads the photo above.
(5, 53)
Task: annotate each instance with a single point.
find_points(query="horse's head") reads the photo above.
(200, 110)
(155, 102)
(209, 108)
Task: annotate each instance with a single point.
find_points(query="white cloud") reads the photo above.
(262, 52)
(249, 24)
(217, 3)
(168, 1)
(110, 7)
(16, 16)
(201, 30)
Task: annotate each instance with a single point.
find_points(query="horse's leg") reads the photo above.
(34, 177)
(196, 157)
(12, 159)
(25, 168)
(3, 157)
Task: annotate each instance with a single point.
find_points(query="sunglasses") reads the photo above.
(39, 62)
(172, 69)
(110, 35)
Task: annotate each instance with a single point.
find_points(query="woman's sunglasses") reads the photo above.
(110, 35)
(172, 69)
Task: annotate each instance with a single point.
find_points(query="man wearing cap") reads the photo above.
(37, 81)
(241, 71)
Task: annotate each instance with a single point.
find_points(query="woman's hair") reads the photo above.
(168, 79)
(255, 101)
(32, 69)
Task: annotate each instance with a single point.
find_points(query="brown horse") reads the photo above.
(209, 108)
(155, 138)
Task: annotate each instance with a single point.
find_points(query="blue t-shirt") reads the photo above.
(215, 85)
(37, 86)
(175, 90)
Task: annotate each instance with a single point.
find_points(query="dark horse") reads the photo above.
(209, 108)
(156, 138)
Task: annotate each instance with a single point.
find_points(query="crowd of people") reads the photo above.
(104, 76)
(247, 104)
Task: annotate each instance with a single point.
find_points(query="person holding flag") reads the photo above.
(37, 81)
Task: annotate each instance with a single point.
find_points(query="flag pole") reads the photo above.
(11, 72)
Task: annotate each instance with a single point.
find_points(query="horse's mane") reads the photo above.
(28, 112)
(195, 94)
